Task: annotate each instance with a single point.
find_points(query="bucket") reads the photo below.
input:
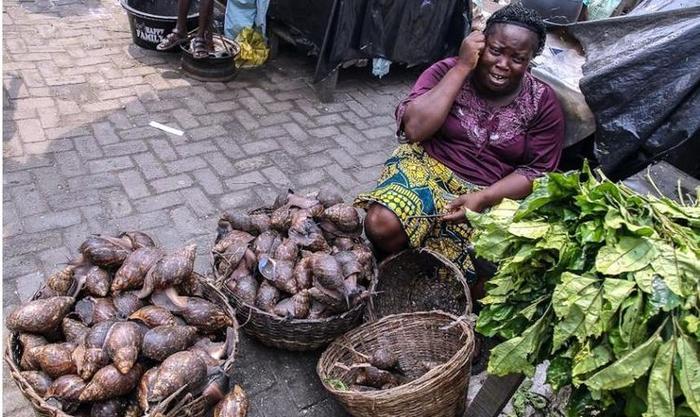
(153, 20)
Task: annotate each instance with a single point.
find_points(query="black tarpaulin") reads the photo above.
(642, 82)
(409, 32)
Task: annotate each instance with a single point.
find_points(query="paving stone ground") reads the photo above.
(80, 158)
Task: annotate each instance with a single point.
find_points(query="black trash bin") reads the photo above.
(153, 20)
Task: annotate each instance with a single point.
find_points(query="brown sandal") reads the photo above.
(173, 39)
(199, 47)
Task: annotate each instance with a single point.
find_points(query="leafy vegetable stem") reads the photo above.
(651, 181)
(680, 193)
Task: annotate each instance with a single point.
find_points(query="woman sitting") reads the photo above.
(477, 128)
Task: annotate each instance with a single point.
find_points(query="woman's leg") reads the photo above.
(384, 231)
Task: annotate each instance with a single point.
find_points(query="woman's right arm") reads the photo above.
(426, 113)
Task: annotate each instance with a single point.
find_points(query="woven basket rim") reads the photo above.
(285, 320)
(434, 373)
(40, 405)
(372, 312)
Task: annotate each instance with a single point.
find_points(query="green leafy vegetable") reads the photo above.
(603, 283)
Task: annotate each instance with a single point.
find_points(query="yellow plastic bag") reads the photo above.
(254, 50)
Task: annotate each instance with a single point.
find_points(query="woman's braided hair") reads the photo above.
(517, 14)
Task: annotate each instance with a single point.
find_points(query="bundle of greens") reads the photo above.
(603, 283)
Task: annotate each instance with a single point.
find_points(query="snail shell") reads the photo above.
(154, 316)
(235, 404)
(267, 243)
(108, 383)
(38, 380)
(233, 237)
(122, 344)
(94, 357)
(383, 358)
(40, 316)
(95, 310)
(170, 270)
(127, 303)
(67, 388)
(238, 221)
(267, 297)
(281, 218)
(55, 359)
(61, 281)
(162, 341)
(145, 386)
(216, 388)
(305, 232)
(343, 243)
(344, 216)
(177, 370)
(260, 222)
(105, 251)
(114, 407)
(279, 273)
(332, 299)
(245, 288)
(349, 263)
(98, 282)
(138, 240)
(287, 251)
(27, 362)
(296, 307)
(74, 330)
(327, 270)
(302, 273)
(206, 316)
(133, 271)
(318, 310)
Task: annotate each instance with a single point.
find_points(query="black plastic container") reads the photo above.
(153, 20)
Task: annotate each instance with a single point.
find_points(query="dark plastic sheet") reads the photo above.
(642, 82)
(404, 31)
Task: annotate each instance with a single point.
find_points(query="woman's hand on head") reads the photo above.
(476, 201)
(470, 50)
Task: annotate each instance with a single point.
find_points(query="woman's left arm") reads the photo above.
(545, 143)
(514, 186)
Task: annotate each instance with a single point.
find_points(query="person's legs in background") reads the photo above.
(179, 34)
(202, 44)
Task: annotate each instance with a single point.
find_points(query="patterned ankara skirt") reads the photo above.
(412, 183)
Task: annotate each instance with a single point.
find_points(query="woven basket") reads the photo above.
(177, 405)
(433, 336)
(418, 280)
(291, 334)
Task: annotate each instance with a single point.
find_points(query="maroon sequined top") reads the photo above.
(482, 143)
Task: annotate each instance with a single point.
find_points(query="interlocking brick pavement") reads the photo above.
(80, 158)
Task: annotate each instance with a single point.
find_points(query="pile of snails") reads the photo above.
(122, 327)
(306, 259)
(379, 370)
